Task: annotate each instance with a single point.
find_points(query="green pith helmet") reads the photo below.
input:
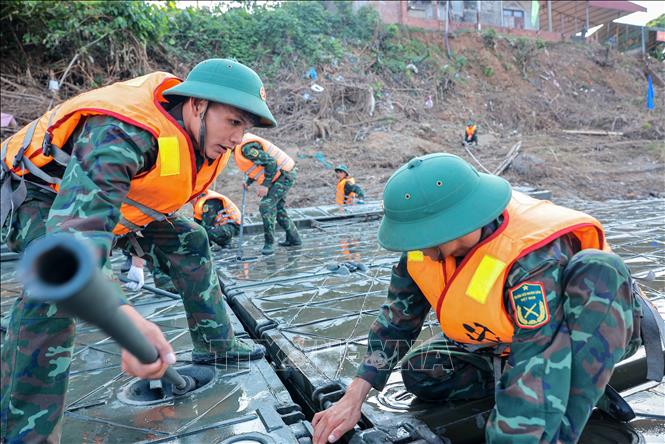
(437, 198)
(341, 167)
(469, 123)
(229, 82)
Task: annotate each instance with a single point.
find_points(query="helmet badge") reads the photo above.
(262, 93)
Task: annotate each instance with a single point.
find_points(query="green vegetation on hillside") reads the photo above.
(122, 36)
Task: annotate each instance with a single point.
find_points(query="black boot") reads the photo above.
(612, 404)
(292, 239)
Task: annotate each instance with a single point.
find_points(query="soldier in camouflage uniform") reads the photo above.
(106, 155)
(572, 312)
(273, 202)
(220, 231)
(220, 223)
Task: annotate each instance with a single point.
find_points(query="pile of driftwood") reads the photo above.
(512, 154)
(321, 108)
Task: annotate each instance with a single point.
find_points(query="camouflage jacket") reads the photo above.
(106, 154)
(256, 154)
(402, 316)
(210, 217)
(354, 188)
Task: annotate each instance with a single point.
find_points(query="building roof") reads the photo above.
(568, 17)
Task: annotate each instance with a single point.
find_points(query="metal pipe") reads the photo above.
(61, 269)
(501, 13)
(586, 18)
(549, 15)
(157, 291)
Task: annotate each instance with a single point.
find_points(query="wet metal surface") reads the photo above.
(313, 315)
(240, 399)
(315, 320)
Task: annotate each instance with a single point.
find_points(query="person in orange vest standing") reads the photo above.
(347, 191)
(274, 172)
(534, 308)
(471, 133)
(109, 164)
(218, 215)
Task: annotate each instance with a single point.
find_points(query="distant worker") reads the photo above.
(107, 164)
(534, 308)
(347, 191)
(471, 133)
(218, 215)
(274, 171)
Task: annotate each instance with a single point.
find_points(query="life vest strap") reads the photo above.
(135, 243)
(10, 198)
(154, 214)
(251, 169)
(131, 226)
(59, 155)
(26, 164)
(26, 143)
(652, 329)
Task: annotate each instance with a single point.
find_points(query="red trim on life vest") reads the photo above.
(544, 242)
(498, 231)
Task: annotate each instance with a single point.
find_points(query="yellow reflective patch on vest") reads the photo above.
(483, 279)
(415, 256)
(169, 156)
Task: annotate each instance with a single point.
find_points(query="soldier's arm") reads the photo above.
(255, 153)
(106, 154)
(396, 327)
(354, 188)
(536, 359)
(209, 218)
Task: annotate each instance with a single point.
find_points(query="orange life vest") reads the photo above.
(469, 298)
(170, 184)
(253, 171)
(470, 130)
(229, 213)
(340, 197)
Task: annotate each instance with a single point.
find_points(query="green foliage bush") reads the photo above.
(489, 38)
(286, 35)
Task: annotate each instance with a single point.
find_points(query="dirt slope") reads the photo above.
(562, 86)
(517, 91)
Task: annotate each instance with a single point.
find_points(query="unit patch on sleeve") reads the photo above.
(530, 304)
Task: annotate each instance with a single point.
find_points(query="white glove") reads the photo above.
(135, 274)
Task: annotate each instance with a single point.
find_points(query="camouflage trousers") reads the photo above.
(272, 207)
(554, 375)
(37, 351)
(221, 235)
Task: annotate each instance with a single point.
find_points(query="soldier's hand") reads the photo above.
(330, 424)
(153, 334)
(135, 274)
(261, 191)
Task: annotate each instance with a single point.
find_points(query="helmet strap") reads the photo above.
(202, 131)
